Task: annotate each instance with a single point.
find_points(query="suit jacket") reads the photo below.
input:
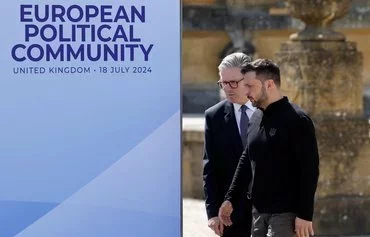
(222, 150)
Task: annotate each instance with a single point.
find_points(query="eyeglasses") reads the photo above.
(231, 84)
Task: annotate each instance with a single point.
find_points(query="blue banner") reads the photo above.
(90, 119)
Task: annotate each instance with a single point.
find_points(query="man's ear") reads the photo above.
(269, 84)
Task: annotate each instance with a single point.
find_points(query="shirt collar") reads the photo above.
(248, 104)
(276, 106)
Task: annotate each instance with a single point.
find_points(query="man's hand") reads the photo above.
(215, 224)
(303, 228)
(224, 213)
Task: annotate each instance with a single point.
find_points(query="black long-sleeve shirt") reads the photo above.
(282, 148)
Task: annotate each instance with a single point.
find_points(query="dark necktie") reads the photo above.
(244, 120)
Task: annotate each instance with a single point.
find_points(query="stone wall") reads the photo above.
(201, 52)
(192, 157)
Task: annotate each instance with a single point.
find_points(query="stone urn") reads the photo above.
(318, 15)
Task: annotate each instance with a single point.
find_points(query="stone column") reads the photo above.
(321, 71)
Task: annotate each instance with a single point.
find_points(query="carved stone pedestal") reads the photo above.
(324, 77)
(343, 194)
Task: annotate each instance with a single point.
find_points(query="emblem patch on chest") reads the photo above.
(272, 132)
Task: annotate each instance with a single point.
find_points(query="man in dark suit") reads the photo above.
(226, 124)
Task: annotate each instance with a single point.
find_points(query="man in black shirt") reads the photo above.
(282, 154)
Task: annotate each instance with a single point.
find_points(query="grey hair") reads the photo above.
(234, 60)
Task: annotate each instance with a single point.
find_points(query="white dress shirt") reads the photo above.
(237, 111)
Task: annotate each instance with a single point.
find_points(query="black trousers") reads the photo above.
(242, 220)
(237, 231)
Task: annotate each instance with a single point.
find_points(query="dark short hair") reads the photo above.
(264, 67)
